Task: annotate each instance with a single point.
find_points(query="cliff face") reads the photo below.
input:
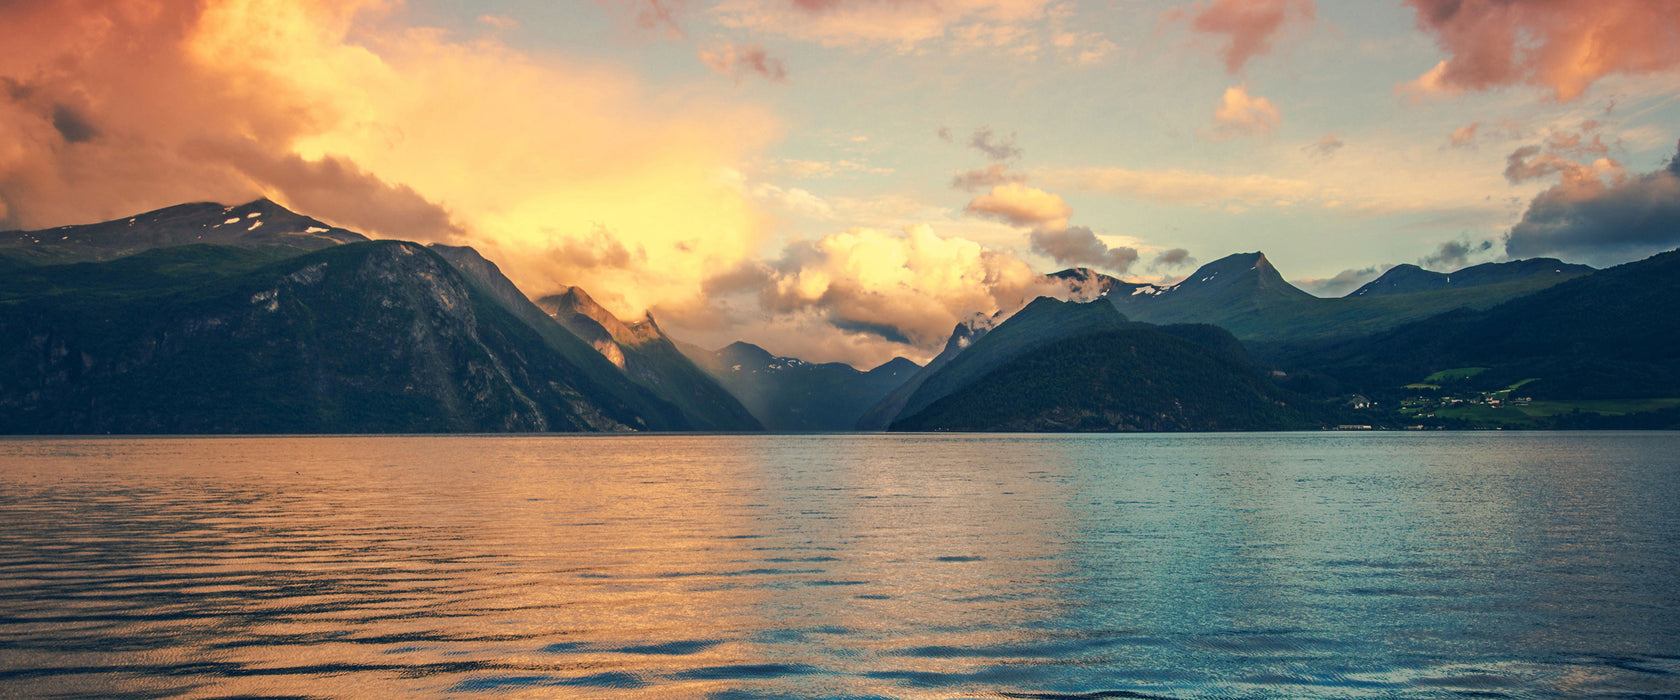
(369, 337)
(652, 360)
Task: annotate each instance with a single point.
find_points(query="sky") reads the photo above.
(845, 180)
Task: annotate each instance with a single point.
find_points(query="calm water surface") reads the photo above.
(1193, 566)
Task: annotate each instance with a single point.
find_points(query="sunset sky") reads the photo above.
(846, 179)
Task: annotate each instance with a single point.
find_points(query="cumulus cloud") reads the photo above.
(738, 62)
(1019, 205)
(340, 110)
(1562, 45)
(1172, 259)
(985, 178)
(1453, 255)
(1000, 149)
(1341, 283)
(889, 292)
(1078, 245)
(1240, 114)
(1249, 26)
(1602, 217)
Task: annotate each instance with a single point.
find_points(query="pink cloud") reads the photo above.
(1563, 45)
(1249, 26)
(740, 61)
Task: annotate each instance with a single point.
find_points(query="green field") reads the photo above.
(1535, 415)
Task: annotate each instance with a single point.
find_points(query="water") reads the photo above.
(1195, 566)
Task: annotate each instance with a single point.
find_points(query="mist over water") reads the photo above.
(903, 566)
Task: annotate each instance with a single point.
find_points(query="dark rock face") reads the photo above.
(371, 337)
(790, 394)
(651, 359)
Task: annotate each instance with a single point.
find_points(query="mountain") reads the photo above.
(382, 336)
(1246, 295)
(1131, 379)
(261, 223)
(966, 333)
(664, 410)
(789, 394)
(1406, 279)
(1029, 373)
(1042, 321)
(652, 360)
(1608, 335)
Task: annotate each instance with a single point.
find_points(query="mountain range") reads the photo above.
(205, 318)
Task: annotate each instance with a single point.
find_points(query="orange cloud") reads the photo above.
(886, 293)
(1249, 26)
(1240, 114)
(1020, 205)
(1563, 45)
(338, 109)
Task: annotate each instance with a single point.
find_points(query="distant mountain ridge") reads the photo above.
(253, 224)
(790, 394)
(1406, 279)
(1246, 295)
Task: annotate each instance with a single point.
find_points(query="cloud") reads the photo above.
(1172, 259)
(347, 113)
(1325, 147)
(1339, 284)
(1453, 255)
(1240, 114)
(1465, 136)
(737, 62)
(1078, 245)
(890, 293)
(1562, 45)
(991, 176)
(794, 200)
(356, 198)
(1602, 217)
(905, 23)
(1249, 26)
(656, 16)
(1002, 149)
(944, 134)
(1019, 205)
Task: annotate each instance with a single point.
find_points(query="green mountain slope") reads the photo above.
(1406, 279)
(368, 337)
(1608, 335)
(966, 333)
(1042, 321)
(1246, 295)
(1133, 379)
